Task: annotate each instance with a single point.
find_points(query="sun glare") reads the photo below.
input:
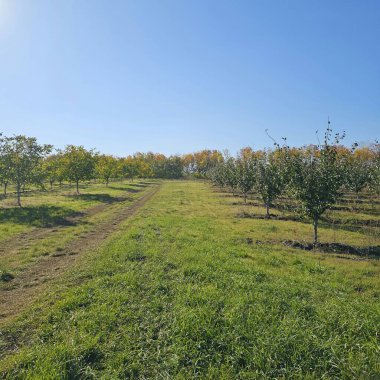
(4, 12)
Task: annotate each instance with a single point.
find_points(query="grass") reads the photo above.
(62, 209)
(362, 226)
(183, 291)
(49, 208)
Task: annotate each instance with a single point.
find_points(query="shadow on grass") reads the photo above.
(288, 204)
(104, 198)
(39, 216)
(142, 184)
(370, 251)
(365, 226)
(125, 189)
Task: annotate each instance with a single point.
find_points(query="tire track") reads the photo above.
(29, 284)
(23, 239)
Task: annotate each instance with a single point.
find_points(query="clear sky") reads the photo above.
(176, 76)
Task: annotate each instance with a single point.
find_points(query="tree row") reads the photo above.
(314, 176)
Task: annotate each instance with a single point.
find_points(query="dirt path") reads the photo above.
(30, 283)
(23, 239)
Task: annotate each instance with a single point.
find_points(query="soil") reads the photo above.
(370, 252)
(24, 288)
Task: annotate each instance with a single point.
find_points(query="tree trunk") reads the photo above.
(245, 197)
(315, 225)
(267, 210)
(5, 188)
(107, 180)
(77, 183)
(356, 199)
(18, 195)
(51, 185)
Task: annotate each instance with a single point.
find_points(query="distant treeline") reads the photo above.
(23, 161)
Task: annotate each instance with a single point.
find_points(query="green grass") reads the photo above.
(358, 228)
(179, 292)
(50, 208)
(54, 209)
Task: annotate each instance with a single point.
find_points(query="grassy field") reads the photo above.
(49, 220)
(187, 288)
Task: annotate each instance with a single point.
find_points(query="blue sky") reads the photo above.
(176, 76)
